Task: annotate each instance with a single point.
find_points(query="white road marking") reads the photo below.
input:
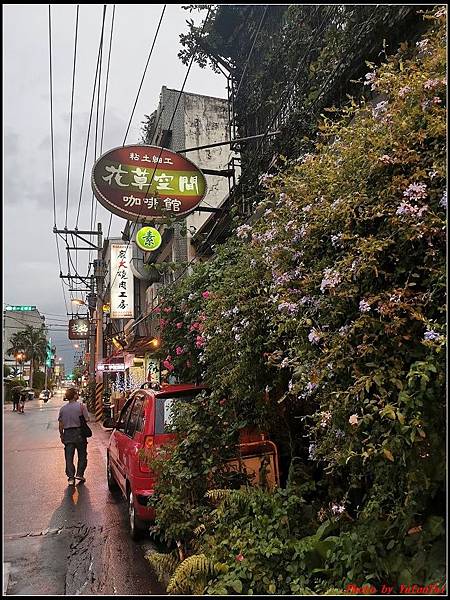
(6, 570)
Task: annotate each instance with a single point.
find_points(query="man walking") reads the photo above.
(15, 398)
(71, 436)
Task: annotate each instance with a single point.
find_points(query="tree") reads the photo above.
(33, 343)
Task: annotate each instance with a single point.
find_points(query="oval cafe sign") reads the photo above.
(144, 183)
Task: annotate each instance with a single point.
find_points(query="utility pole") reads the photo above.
(83, 243)
(92, 301)
(99, 273)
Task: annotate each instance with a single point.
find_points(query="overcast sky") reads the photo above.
(30, 264)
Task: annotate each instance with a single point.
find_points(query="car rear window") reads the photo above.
(164, 410)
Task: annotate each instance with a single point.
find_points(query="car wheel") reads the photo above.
(137, 528)
(112, 484)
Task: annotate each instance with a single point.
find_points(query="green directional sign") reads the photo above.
(19, 308)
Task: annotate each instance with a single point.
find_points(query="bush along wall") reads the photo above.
(325, 321)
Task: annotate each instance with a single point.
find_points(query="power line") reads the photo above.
(170, 125)
(143, 75)
(90, 116)
(250, 53)
(104, 103)
(71, 112)
(52, 143)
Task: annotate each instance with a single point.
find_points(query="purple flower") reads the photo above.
(336, 240)
(243, 231)
(312, 451)
(281, 279)
(407, 209)
(416, 191)
(431, 335)
(288, 307)
(430, 84)
(402, 92)
(370, 79)
(423, 47)
(326, 418)
(364, 306)
(299, 235)
(314, 336)
(337, 509)
(330, 280)
(380, 108)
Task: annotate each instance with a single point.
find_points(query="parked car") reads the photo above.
(143, 423)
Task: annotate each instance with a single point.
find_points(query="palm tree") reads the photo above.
(33, 343)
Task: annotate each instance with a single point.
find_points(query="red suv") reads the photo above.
(142, 424)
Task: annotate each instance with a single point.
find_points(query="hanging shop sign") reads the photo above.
(122, 288)
(147, 183)
(148, 239)
(111, 367)
(78, 329)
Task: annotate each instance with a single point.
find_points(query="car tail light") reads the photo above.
(148, 444)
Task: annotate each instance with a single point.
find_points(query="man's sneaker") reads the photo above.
(71, 481)
(80, 479)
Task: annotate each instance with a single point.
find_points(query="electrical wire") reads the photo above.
(225, 225)
(104, 103)
(90, 115)
(53, 145)
(251, 52)
(170, 125)
(143, 75)
(71, 112)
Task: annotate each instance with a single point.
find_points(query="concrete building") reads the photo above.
(198, 121)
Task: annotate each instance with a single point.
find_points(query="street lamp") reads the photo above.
(20, 357)
(78, 301)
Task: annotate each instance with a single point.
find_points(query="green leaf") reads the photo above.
(388, 411)
(236, 585)
(388, 454)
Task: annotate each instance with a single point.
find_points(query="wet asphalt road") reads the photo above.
(61, 540)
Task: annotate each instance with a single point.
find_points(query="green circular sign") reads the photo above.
(148, 239)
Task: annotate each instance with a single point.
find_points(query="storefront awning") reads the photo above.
(142, 345)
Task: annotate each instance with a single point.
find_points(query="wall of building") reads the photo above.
(206, 122)
(199, 120)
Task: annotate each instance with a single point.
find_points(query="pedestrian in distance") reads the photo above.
(22, 400)
(15, 398)
(72, 437)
